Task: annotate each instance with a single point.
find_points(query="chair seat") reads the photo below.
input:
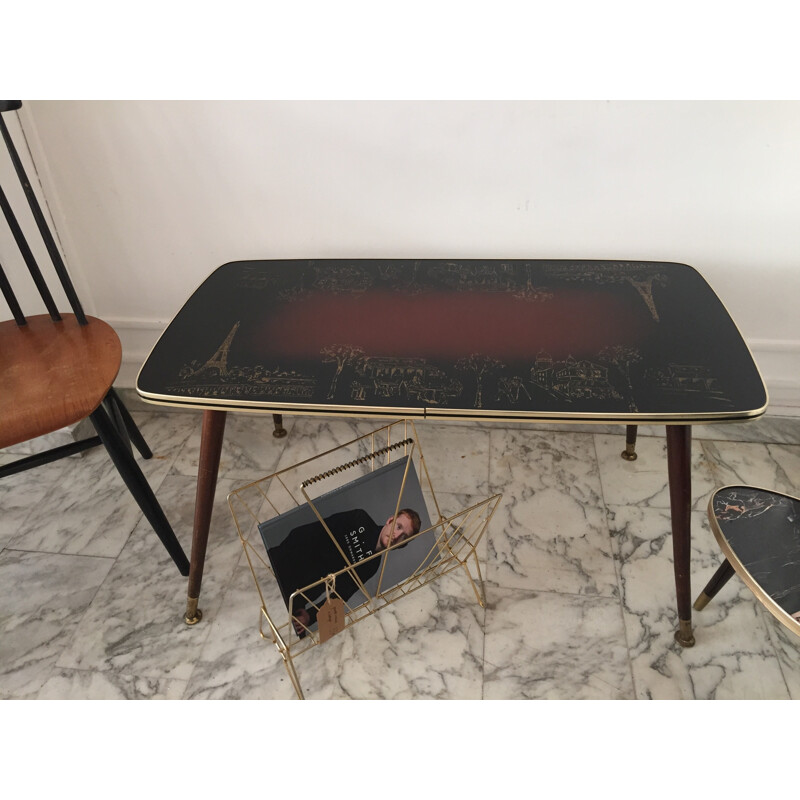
(53, 374)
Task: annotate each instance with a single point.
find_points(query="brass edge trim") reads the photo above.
(780, 614)
(744, 341)
(656, 418)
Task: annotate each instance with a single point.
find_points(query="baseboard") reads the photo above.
(778, 360)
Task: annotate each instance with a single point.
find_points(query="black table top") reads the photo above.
(759, 532)
(621, 341)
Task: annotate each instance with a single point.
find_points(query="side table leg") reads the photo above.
(679, 462)
(629, 453)
(210, 449)
(718, 580)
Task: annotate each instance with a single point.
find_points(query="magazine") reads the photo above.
(360, 515)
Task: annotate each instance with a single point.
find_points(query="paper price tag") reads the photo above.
(330, 618)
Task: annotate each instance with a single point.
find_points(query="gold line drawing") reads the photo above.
(481, 365)
(685, 378)
(341, 354)
(509, 388)
(572, 379)
(642, 277)
(219, 360)
(623, 358)
(341, 279)
(530, 292)
(476, 277)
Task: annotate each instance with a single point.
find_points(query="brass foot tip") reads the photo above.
(629, 456)
(702, 601)
(684, 635)
(193, 614)
(279, 433)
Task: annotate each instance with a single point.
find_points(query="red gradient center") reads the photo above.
(444, 325)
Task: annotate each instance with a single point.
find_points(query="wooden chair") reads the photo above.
(57, 369)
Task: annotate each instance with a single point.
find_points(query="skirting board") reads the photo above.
(778, 360)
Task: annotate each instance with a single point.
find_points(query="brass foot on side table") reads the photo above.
(684, 636)
(702, 601)
(629, 454)
(193, 614)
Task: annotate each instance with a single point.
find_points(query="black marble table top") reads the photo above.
(759, 533)
(622, 341)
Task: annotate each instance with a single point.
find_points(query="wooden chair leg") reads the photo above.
(138, 486)
(718, 580)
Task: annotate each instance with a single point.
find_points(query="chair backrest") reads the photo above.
(22, 244)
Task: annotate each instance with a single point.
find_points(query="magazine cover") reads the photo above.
(361, 517)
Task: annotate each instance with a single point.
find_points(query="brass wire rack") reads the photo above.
(454, 536)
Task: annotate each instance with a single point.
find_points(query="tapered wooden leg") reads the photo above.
(279, 431)
(629, 453)
(210, 449)
(679, 457)
(138, 486)
(718, 580)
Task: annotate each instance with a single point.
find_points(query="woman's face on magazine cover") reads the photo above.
(395, 530)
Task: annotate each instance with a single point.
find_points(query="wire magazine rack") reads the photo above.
(449, 543)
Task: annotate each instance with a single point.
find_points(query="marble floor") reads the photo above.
(577, 564)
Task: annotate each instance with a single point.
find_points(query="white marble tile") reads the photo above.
(770, 466)
(554, 646)
(249, 450)
(768, 429)
(550, 531)
(457, 457)
(787, 646)
(428, 644)
(86, 508)
(135, 623)
(20, 494)
(42, 600)
(645, 481)
(732, 657)
(90, 513)
(577, 562)
(78, 684)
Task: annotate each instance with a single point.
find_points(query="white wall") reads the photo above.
(149, 197)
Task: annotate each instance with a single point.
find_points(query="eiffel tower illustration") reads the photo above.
(645, 288)
(219, 361)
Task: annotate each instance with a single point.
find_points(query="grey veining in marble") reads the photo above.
(577, 562)
(42, 599)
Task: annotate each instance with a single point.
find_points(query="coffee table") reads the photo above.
(624, 342)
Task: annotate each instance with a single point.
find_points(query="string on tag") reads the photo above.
(331, 613)
(330, 586)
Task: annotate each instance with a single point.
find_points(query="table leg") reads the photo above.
(279, 431)
(629, 453)
(679, 450)
(210, 449)
(718, 580)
